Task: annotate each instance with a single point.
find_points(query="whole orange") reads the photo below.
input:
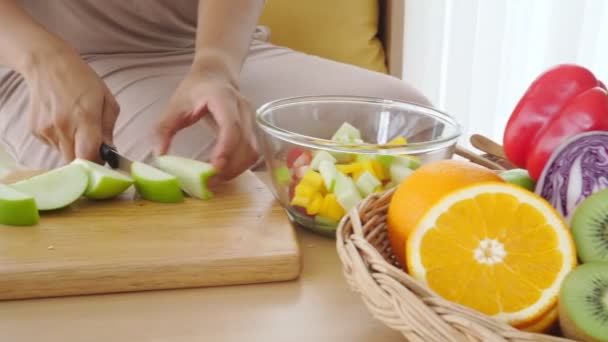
(422, 189)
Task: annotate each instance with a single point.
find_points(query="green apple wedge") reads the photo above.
(104, 183)
(16, 208)
(155, 185)
(57, 188)
(193, 175)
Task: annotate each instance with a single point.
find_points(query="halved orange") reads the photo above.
(496, 248)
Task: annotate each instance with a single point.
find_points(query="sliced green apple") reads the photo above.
(346, 192)
(319, 157)
(193, 175)
(399, 173)
(155, 185)
(16, 208)
(104, 182)
(367, 184)
(329, 173)
(282, 175)
(57, 188)
(347, 134)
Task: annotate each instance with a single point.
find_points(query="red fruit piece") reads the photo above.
(292, 155)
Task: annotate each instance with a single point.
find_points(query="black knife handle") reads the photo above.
(109, 155)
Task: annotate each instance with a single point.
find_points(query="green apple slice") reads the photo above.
(346, 192)
(57, 188)
(16, 208)
(319, 157)
(399, 172)
(282, 175)
(104, 183)
(192, 174)
(329, 173)
(155, 185)
(347, 134)
(367, 184)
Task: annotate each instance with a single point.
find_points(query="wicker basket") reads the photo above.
(397, 299)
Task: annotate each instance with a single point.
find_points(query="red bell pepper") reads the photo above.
(543, 100)
(586, 112)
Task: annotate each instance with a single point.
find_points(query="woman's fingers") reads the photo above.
(225, 113)
(110, 113)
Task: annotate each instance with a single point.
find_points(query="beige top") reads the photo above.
(110, 26)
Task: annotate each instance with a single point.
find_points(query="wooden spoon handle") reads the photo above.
(477, 159)
(487, 145)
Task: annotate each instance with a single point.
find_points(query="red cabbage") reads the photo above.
(577, 169)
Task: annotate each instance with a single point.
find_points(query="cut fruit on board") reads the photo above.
(496, 248)
(104, 183)
(16, 208)
(57, 188)
(155, 185)
(193, 175)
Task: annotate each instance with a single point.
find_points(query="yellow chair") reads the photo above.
(366, 33)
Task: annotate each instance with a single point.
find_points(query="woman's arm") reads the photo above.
(70, 108)
(23, 41)
(224, 32)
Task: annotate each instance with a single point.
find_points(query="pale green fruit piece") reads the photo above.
(347, 134)
(155, 185)
(519, 177)
(57, 188)
(282, 175)
(399, 172)
(367, 184)
(319, 157)
(329, 173)
(104, 183)
(193, 175)
(346, 192)
(16, 208)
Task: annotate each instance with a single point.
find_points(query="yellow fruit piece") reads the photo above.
(368, 165)
(330, 208)
(305, 190)
(398, 141)
(422, 189)
(358, 174)
(350, 168)
(300, 201)
(314, 206)
(313, 178)
(380, 171)
(496, 248)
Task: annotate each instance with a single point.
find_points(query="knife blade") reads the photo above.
(116, 161)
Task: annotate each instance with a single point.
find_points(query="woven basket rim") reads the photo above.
(397, 299)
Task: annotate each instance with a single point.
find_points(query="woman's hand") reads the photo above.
(210, 92)
(70, 107)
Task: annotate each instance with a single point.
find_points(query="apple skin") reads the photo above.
(193, 175)
(104, 183)
(519, 177)
(163, 191)
(18, 212)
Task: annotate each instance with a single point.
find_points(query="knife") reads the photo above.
(115, 159)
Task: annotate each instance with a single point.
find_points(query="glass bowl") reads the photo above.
(323, 150)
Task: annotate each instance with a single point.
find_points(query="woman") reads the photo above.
(152, 76)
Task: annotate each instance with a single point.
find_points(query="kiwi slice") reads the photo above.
(590, 228)
(583, 303)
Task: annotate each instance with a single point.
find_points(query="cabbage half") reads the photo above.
(577, 169)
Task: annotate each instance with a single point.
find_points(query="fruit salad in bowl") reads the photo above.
(327, 153)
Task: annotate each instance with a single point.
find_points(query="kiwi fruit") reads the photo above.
(583, 303)
(590, 228)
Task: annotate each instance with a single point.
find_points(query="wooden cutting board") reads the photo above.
(242, 236)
